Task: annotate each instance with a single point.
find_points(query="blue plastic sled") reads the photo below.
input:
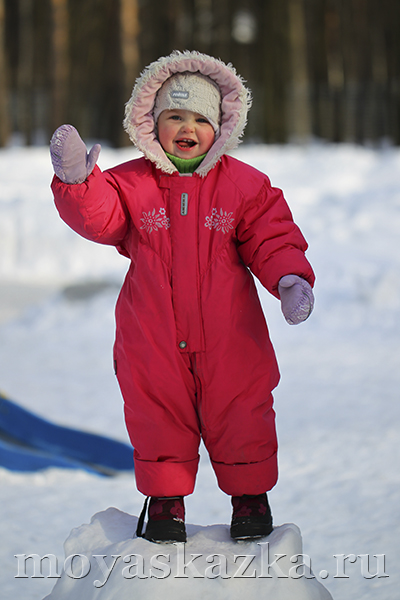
(20, 458)
(29, 442)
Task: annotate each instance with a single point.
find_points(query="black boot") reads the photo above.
(166, 520)
(251, 517)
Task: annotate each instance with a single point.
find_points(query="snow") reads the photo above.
(337, 403)
(209, 565)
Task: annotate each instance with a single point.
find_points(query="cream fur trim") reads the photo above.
(236, 101)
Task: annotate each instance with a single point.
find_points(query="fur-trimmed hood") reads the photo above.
(236, 101)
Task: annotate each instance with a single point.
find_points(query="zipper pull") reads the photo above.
(184, 204)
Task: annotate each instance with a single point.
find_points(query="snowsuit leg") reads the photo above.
(162, 422)
(238, 424)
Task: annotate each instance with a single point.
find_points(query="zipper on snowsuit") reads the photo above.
(184, 233)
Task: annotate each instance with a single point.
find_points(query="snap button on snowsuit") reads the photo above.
(182, 345)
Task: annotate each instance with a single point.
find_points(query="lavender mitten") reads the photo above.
(71, 162)
(297, 299)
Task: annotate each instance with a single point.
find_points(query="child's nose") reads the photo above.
(188, 126)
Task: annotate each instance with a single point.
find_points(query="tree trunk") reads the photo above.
(4, 112)
(129, 16)
(299, 89)
(60, 63)
(274, 71)
(25, 70)
(203, 22)
(129, 31)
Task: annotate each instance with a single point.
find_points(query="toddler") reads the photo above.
(192, 352)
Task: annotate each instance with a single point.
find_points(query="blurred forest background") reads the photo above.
(326, 69)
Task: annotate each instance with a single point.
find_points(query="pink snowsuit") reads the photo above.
(192, 351)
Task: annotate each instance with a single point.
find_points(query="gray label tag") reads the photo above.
(179, 94)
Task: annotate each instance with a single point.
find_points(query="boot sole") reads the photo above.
(248, 529)
(165, 532)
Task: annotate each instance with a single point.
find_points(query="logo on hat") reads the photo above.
(179, 94)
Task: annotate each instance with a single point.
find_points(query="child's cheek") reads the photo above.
(165, 136)
(211, 140)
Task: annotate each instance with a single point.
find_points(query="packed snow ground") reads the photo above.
(337, 404)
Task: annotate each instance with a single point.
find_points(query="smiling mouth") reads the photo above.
(185, 143)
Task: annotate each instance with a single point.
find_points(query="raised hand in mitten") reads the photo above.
(297, 299)
(71, 161)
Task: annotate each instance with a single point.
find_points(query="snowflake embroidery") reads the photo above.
(221, 221)
(153, 221)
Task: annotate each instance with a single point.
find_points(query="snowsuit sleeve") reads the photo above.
(270, 243)
(93, 208)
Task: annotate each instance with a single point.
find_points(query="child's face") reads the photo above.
(184, 133)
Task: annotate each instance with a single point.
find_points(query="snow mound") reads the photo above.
(104, 561)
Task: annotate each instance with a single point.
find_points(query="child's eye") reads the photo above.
(201, 120)
(175, 117)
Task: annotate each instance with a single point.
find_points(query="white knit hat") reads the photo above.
(190, 91)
